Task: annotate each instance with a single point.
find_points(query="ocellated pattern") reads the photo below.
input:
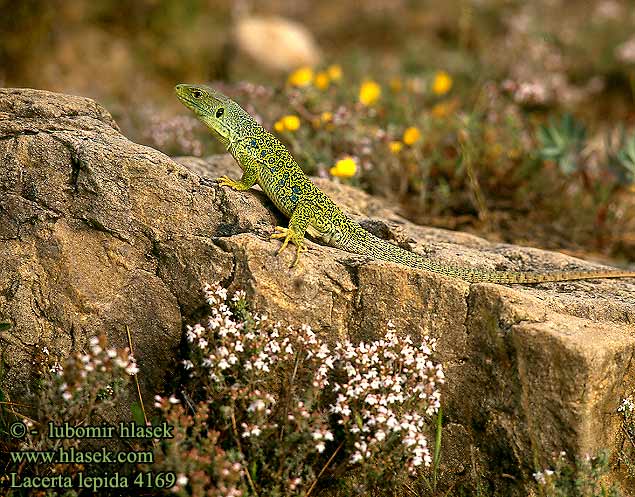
(266, 161)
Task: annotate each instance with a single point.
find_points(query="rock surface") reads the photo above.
(98, 234)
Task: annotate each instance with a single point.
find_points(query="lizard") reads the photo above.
(265, 161)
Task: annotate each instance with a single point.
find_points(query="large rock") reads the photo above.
(98, 234)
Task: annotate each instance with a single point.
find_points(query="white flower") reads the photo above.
(627, 406)
(132, 368)
(257, 405)
(357, 456)
(626, 51)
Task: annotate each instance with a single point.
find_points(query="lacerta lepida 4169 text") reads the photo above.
(266, 162)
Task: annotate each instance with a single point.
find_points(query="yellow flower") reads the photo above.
(344, 168)
(287, 123)
(322, 80)
(395, 147)
(369, 92)
(411, 135)
(442, 83)
(442, 109)
(325, 119)
(335, 72)
(292, 123)
(301, 77)
(396, 85)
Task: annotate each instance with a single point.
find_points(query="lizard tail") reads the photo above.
(365, 243)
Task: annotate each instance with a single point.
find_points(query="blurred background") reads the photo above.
(510, 119)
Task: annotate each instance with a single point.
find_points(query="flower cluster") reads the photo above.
(580, 476)
(384, 390)
(627, 407)
(173, 133)
(305, 76)
(203, 468)
(94, 369)
(383, 378)
(82, 389)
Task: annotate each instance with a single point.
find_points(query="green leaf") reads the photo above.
(5, 325)
(137, 414)
(562, 142)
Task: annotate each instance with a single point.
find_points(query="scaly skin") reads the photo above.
(265, 161)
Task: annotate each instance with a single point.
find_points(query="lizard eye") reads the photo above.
(197, 93)
(220, 112)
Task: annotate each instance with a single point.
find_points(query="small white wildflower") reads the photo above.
(357, 456)
(294, 482)
(257, 405)
(627, 406)
(320, 447)
(132, 368)
(626, 51)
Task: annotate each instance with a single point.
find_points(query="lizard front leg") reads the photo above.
(248, 179)
(300, 220)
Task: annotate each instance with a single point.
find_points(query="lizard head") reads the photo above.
(213, 108)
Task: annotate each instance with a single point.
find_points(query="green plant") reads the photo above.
(260, 389)
(621, 159)
(580, 478)
(562, 142)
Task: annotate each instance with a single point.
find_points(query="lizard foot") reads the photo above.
(234, 185)
(290, 236)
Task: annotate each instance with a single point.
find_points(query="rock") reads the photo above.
(98, 234)
(276, 43)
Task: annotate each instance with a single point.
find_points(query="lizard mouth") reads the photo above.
(182, 93)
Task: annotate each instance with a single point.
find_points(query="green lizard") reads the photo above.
(266, 162)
